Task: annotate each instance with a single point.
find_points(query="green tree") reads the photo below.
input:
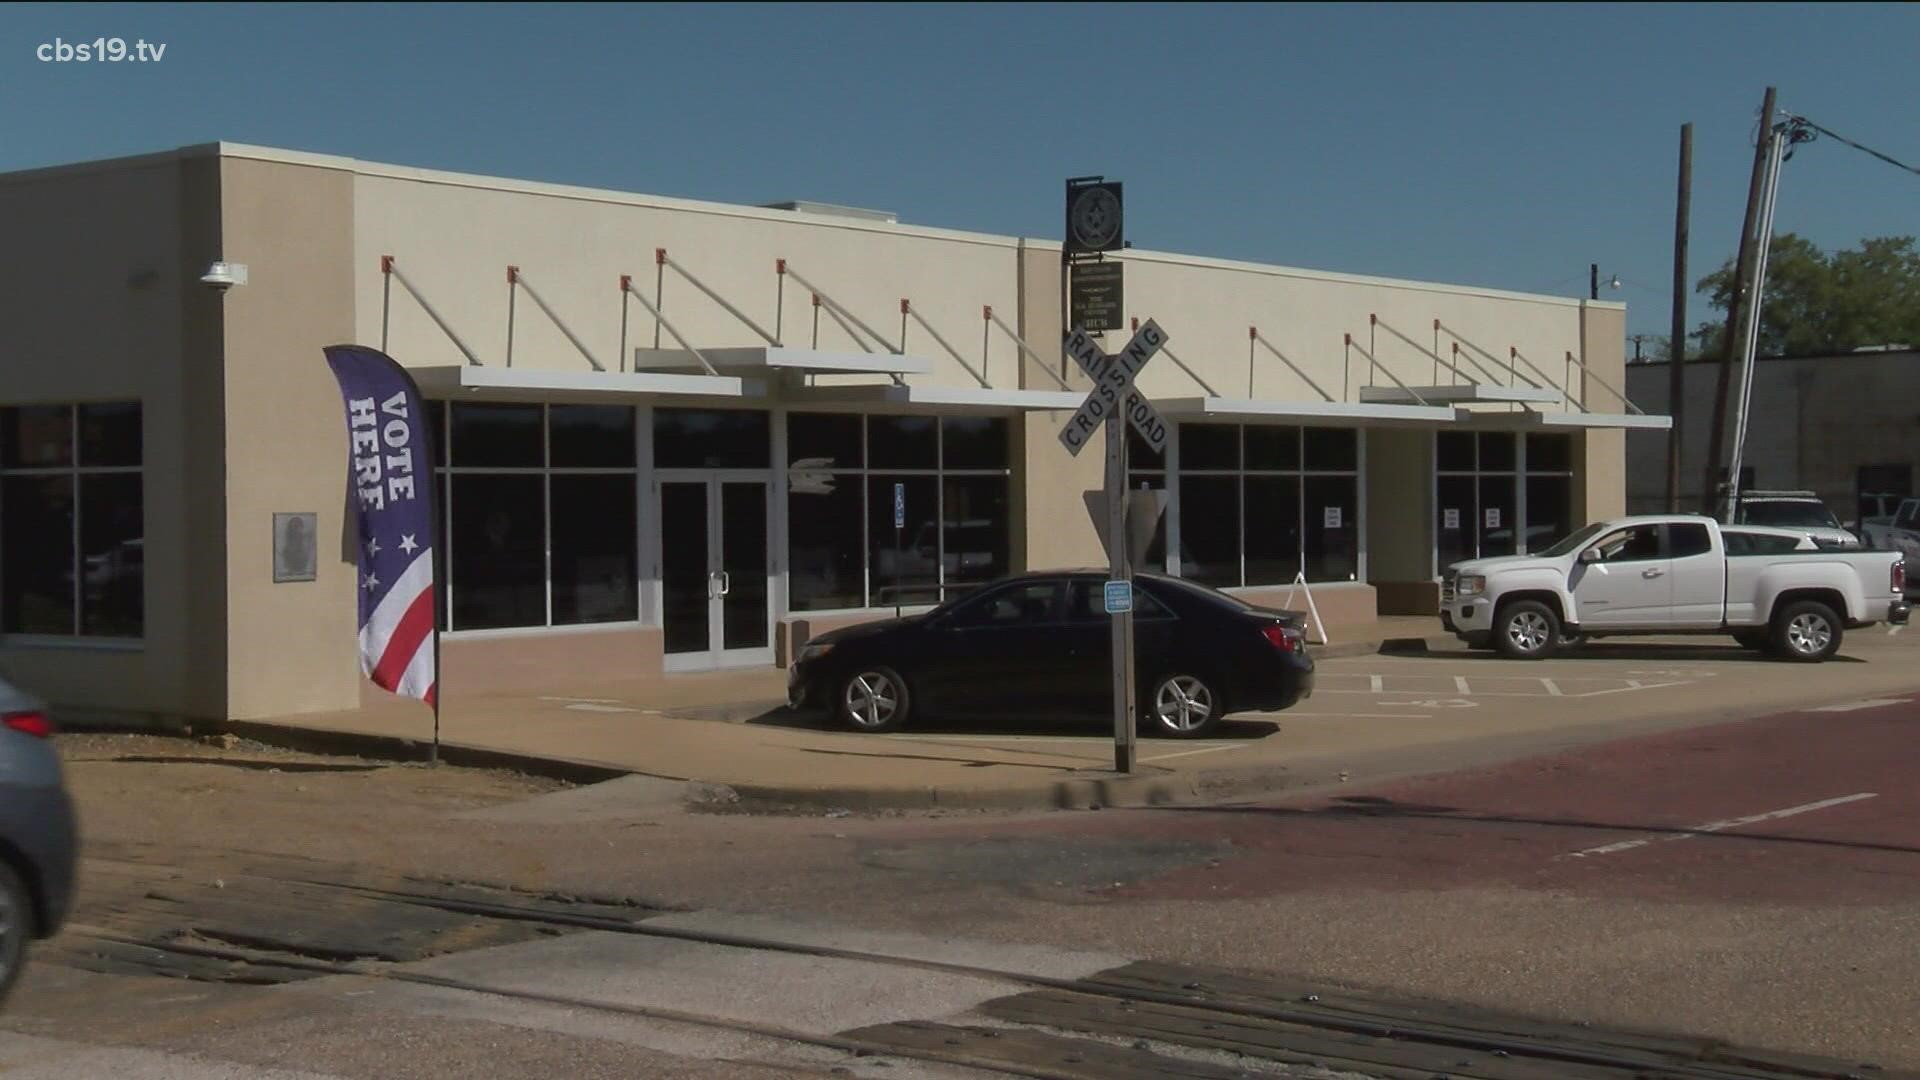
(1820, 303)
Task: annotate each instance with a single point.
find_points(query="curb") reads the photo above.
(397, 748)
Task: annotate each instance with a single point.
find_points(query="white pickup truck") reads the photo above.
(1898, 532)
(1672, 575)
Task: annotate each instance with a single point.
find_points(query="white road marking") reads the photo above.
(1185, 753)
(1364, 715)
(1553, 688)
(587, 700)
(1717, 826)
(1377, 683)
(1460, 684)
(588, 706)
(1870, 703)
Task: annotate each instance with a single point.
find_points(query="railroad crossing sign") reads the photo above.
(1113, 375)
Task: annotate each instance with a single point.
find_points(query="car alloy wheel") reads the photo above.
(1808, 633)
(1184, 705)
(1528, 631)
(871, 700)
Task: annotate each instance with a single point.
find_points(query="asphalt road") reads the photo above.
(1751, 881)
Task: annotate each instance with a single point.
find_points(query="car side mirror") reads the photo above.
(1590, 555)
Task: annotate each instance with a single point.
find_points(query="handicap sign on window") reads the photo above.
(1119, 597)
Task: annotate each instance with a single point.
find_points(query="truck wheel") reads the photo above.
(1806, 632)
(1526, 630)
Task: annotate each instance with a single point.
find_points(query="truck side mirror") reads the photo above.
(1590, 555)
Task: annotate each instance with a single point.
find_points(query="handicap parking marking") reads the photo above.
(1456, 687)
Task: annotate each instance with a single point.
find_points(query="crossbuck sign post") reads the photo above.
(1114, 395)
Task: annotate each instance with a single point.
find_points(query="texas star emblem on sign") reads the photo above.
(1113, 392)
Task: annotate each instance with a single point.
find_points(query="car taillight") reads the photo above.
(1899, 577)
(29, 723)
(1284, 638)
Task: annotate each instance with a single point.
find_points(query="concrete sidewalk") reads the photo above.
(729, 735)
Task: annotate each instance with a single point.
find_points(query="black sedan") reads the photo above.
(1038, 644)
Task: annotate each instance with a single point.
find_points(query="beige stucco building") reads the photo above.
(612, 505)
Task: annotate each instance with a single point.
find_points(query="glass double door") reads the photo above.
(714, 569)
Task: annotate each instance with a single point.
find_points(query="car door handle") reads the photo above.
(1654, 573)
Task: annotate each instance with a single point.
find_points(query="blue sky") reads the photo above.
(1498, 145)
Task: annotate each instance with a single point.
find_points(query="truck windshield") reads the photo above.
(1788, 514)
(1571, 543)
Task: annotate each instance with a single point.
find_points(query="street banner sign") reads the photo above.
(1119, 597)
(1096, 295)
(1113, 391)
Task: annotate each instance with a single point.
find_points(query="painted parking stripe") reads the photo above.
(1730, 823)
(1870, 703)
(1185, 753)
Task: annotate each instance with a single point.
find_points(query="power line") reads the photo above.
(1793, 121)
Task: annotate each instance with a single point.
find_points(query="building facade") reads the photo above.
(672, 435)
(1844, 426)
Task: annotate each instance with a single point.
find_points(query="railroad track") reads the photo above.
(280, 921)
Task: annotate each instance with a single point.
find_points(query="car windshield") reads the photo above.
(1571, 543)
(1788, 514)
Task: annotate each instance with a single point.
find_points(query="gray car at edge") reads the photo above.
(37, 835)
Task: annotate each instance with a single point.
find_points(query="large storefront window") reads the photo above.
(1260, 505)
(1498, 496)
(72, 537)
(541, 515)
(951, 477)
(1147, 471)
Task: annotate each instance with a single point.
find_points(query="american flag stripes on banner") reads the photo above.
(390, 472)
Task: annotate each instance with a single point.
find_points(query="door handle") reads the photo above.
(713, 585)
(726, 583)
(1651, 573)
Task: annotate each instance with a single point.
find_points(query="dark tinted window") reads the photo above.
(1029, 603)
(975, 442)
(826, 539)
(1737, 543)
(1497, 451)
(1549, 453)
(595, 537)
(1209, 446)
(903, 442)
(498, 554)
(823, 440)
(503, 436)
(1141, 455)
(710, 439)
(1453, 451)
(36, 436)
(110, 434)
(1332, 449)
(975, 537)
(1273, 447)
(1210, 529)
(36, 562)
(1688, 540)
(592, 436)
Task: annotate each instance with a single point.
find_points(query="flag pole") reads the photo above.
(433, 445)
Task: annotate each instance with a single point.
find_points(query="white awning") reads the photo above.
(766, 359)
(1462, 394)
(468, 380)
(1304, 412)
(950, 398)
(1531, 419)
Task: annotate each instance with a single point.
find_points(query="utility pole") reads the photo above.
(1677, 343)
(1742, 271)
